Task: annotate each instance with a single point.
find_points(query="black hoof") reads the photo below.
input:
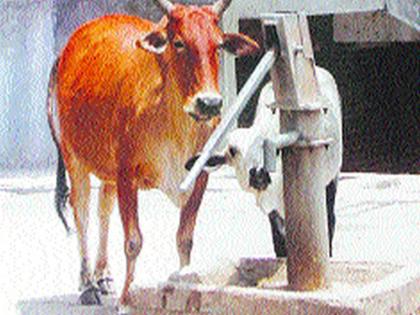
(91, 296)
(106, 286)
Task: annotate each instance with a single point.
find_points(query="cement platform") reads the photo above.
(378, 221)
(259, 286)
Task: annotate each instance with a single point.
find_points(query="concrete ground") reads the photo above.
(378, 219)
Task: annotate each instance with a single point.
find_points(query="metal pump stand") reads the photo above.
(289, 58)
(297, 95)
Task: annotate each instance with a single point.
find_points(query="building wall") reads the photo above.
(26, 42)
(379, 86)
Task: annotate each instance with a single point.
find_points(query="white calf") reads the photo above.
(245, 154)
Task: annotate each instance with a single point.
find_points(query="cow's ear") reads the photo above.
(155, 42)
(239, 44)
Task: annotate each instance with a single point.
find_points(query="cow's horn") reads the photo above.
(220, 6)
(165, 5)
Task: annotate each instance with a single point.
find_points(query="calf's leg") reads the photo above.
(277, 223)
(278, 232)
(331, 192)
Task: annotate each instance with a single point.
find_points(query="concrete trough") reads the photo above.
(259, 286)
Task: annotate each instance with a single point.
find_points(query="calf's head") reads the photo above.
(245, 154)
(190, 40)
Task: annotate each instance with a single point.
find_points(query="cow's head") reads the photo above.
(190, 39)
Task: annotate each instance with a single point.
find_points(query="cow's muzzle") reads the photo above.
(205, 106)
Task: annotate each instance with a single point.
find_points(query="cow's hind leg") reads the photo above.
(79, 200)
(102, 275)
(184, 236)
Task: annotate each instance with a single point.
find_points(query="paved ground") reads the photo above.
(378, 219)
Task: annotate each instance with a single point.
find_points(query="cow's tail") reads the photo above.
(61, 188)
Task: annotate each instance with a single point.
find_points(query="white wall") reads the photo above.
(26, 54)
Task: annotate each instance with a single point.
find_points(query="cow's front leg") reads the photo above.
(102, 275)
(188, 217)
(127, 199)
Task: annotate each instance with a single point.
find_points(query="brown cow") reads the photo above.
(135, 101)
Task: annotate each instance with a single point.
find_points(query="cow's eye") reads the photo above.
(179, 45)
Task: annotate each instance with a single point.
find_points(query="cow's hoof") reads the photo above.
(90, 296)
(123, 309)
(106, 286)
